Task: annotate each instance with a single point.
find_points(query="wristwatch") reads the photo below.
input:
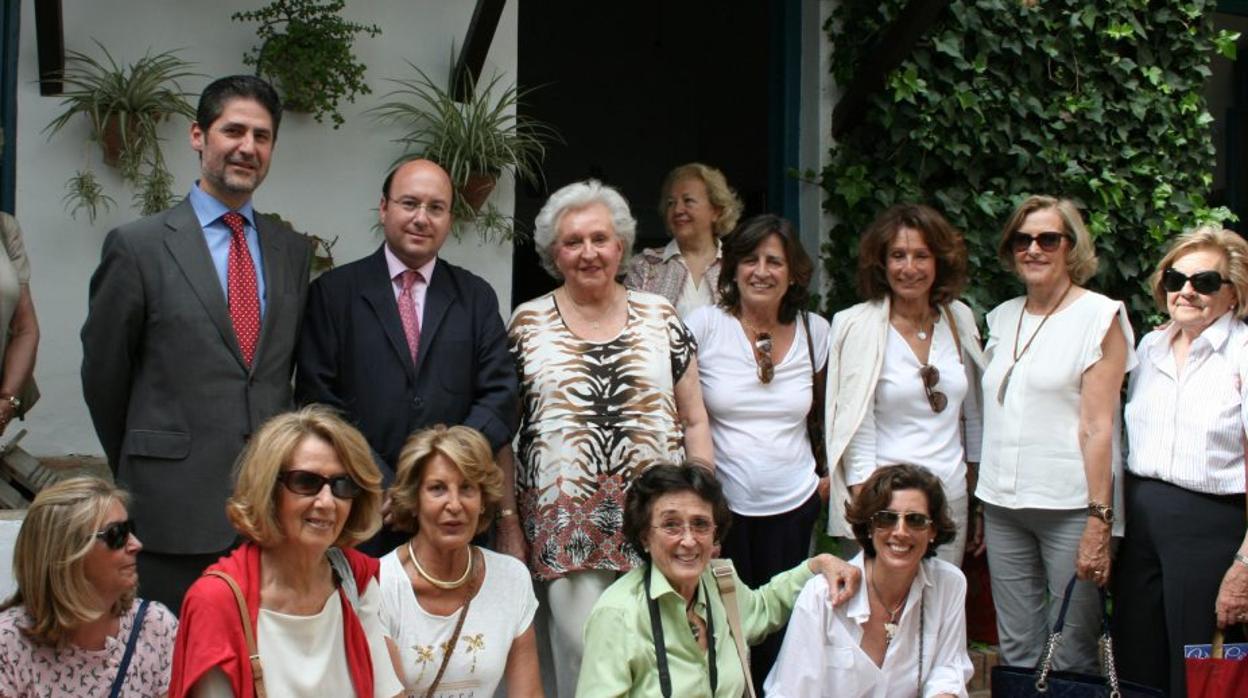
(1103, 512)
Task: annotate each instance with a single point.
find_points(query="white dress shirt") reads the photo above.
(822, 653)
(1187, 427)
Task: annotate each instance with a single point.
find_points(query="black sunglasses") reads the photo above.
(1048, 242)
(1205, 282)
(888, 519)
(116, 534)
(307, 483)
(931, 376)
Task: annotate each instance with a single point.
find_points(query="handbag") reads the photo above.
(814, 418)
(120, 680)
(1023, 682)
(1216, 676)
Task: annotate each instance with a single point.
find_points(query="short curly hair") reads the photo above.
(252, 509)
(877, 493)
(668, 478)
(1081, 260)
(944, 241)
(1233, 248)
(743, 241)
(463, 446)
(576, 196)
(721, 196)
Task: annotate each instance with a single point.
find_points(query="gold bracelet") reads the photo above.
(502, 513)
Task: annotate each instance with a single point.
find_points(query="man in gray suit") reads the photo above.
(190, 335)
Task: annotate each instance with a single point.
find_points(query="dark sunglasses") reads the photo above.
(931, 376)
(1048, 242)
(309, 484)
(762, 351)
(1205, 282)
(887, 519)
(116, 534)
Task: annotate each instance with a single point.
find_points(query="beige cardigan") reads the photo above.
(855, 356)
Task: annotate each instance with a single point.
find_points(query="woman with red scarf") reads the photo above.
(306, 491)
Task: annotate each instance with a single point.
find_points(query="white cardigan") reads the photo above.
(855, 356)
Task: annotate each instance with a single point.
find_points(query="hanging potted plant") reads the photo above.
(125, 106)
(306, 51)
(475, 141)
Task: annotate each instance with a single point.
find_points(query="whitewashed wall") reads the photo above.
(325, 181)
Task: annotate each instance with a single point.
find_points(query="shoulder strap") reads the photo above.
(346, 577)
(124, 666)
(257, 672)
(814, 419)
(722, 570)
(953, 327)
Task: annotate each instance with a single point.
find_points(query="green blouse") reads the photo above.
(619, 645)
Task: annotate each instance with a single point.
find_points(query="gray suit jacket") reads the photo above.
(172, 401)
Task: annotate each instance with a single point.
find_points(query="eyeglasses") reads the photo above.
(699, 527)
(931, 376)
(1204, 282)
(116, 534)
(887, 519)
(762, 353)
(307, 483)
(433, 209)
(1048, 242)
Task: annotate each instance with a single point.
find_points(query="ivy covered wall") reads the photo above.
(1100, 102)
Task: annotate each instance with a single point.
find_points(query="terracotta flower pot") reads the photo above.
(477, 189)
(111, 145)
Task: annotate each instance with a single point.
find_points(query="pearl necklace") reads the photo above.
(411, 553)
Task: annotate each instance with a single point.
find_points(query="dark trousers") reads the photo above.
(165, 577)
(1177, 547)
(761, 547)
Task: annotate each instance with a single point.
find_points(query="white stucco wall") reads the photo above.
(325, 181)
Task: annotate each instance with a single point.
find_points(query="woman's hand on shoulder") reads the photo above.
(843, 578)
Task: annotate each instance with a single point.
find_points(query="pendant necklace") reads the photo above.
(1016, 354)
(921, 330)
(890, 626)
(596, 324)
(441, 584)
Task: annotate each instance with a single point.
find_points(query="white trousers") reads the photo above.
(565, 607)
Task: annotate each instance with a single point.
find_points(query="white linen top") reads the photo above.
(1031, 456)
(305, 655)
(900, 426)
(762, 450)
(694, 293)
(502, 611)
(822, 653)
(1187, 428)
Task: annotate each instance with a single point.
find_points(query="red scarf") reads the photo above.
(210, 633)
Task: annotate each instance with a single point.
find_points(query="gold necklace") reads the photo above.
(595, 324)
(411, 553)
(1016, 354)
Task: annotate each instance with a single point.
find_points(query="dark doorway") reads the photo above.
(9, 26)
(639, 87)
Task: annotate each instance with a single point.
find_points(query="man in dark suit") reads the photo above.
(401, 340)
(190, 335)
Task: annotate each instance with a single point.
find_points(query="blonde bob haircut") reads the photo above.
(49, 558)
(1080, 259)
(721, 195)
(464, 447)
(252, 509)
(1233, 249)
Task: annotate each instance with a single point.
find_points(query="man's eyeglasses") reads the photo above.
(1204, 282)
(762, 353)
(887, 519)
(931, 376)
(433, 209)
(116, 534)
(308, 484)
(1048, 242)
(699, 527)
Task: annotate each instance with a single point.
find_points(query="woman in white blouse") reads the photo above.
(1055, 363)
(903, 633)
(1183, 565)
(905, 365)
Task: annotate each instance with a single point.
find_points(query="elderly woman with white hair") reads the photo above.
(608, 388)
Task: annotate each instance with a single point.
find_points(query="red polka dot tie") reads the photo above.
(244, 300)
(407, 310)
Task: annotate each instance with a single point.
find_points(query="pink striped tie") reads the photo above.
(407, 310)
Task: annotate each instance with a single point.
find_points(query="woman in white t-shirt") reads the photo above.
(757, 375)
(461, 617)
(905, 365)
(1056, 358)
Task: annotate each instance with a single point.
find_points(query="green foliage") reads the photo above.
(306, 51)
(1100, 102)
(125, 106)
(483, 136)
